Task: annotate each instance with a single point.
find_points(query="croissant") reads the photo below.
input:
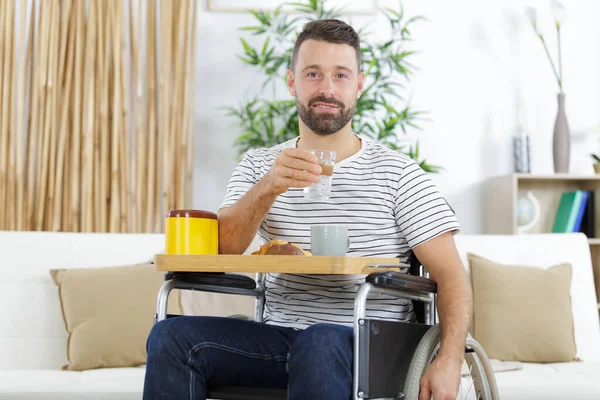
(279, 247)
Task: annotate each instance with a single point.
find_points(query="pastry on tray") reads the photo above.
(279, 247)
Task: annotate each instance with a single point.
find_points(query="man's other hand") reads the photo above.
(441, 379)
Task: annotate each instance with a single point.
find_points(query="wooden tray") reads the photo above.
(283, 264)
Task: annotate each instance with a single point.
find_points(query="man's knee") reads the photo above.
(162, 337)
(185, 338)
(175, 336)
(323, 344)
(320, 363)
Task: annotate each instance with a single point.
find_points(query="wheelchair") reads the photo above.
(389, 357)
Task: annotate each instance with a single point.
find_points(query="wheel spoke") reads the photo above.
(471, 382)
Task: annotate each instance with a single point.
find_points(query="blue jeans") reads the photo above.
(189, 355)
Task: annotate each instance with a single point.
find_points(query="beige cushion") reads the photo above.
(522, 313)
(195, 302)
(108, 313)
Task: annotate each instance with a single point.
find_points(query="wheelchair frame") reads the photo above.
(399, 284)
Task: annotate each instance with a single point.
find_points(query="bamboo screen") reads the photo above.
(96, 102)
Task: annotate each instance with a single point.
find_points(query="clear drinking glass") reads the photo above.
(322, 189)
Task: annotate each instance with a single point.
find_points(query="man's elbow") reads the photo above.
(225, 243)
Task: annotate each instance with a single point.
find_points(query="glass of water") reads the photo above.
(322, 190)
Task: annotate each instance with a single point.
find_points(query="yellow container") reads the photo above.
(191, 232)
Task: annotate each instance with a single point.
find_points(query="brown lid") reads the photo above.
(191, 214)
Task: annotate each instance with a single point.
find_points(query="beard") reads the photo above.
(326, 123)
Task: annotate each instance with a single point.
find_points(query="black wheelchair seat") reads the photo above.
(237, 393)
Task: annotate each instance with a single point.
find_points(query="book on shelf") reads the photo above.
(580, 210)
(588, 223)
(574, 208)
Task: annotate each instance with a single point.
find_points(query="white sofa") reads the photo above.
(33, 337)
(576, 380)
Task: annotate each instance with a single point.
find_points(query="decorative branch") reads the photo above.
(78, 138)
(559, 13)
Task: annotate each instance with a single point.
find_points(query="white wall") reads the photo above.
(478, 59)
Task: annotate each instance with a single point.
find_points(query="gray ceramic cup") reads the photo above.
(329, 240)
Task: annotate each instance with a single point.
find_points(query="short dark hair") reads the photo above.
(328, 30)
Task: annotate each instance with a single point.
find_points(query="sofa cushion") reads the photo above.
(108, 313)
(98, 384)
(545, 250)
(573, 380)
(522, 313)
(194, 302)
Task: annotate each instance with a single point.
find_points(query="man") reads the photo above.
(390, 206)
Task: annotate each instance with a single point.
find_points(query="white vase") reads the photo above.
(561, 142)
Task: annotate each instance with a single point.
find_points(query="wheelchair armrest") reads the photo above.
(400, 281)
(214, 279)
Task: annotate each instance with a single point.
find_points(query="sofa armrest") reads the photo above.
(400, 281)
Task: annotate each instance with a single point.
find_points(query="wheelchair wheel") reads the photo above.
(480, 384)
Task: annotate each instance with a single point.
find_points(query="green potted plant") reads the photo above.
(596, 163)
(382, 112)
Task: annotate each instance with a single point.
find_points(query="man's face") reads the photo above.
(326, 84)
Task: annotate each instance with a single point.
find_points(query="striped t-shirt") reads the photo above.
(388, 204)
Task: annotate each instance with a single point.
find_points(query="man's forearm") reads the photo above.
(239, 223)
(454, 308)
(454, 299)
